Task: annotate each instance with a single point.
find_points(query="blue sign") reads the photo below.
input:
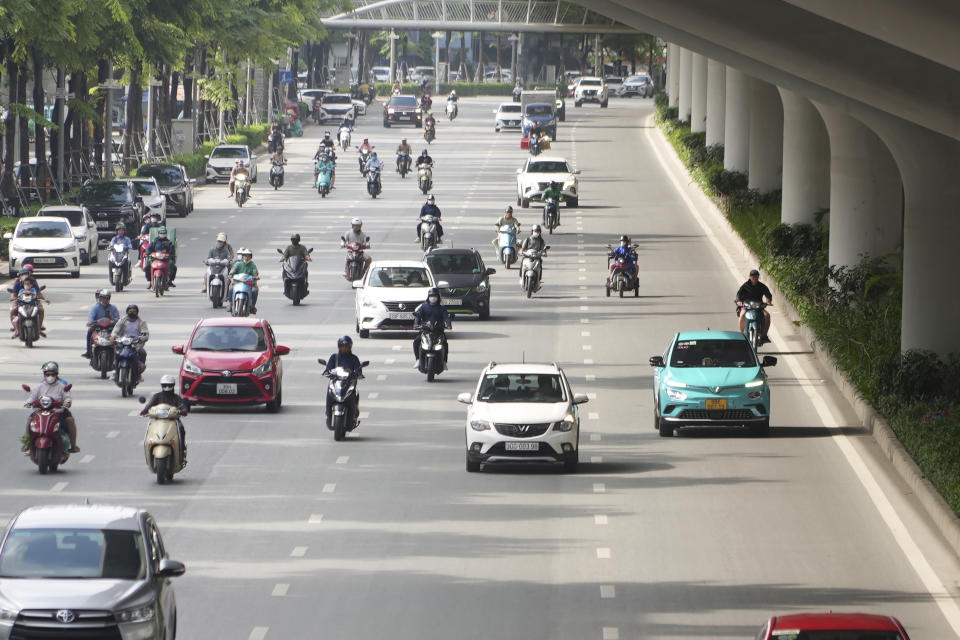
(286, 77)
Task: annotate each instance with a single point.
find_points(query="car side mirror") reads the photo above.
(656, 361)
(519, 171)
(465, 398)
(282, 350)
(546, 247)
(310, 250)
(206, 157)
(170, 569)
(192, 181)
(580, 398)
(357, 284)
(443, 284)
(177, 348)
(78, 235)
(769, 361)
(490, 272)
(253, 158)
(8, 236)
(322, 361)
(365, 363)
(577, 172)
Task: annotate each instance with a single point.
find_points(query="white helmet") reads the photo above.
(356, 222)
(221, 237)
(243, 251)
(168, 380)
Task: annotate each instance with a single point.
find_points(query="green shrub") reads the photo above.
(464, 89)
(236, 138)
(661, 100)
(194, 163)
(724, 182)
(691, 140)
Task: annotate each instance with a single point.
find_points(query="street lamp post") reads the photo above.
(437, 36)
(152, 84)
(393, 55)
(514, 43)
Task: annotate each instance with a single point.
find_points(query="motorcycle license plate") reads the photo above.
(716, 403)
(103, 224)
(225, 389)
(521, 446)
(450, 301)
(401, 315)
(44, 260)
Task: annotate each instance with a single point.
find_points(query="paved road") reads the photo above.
(288, 535)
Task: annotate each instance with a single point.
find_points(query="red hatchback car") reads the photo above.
(232, 361)
(832, 626)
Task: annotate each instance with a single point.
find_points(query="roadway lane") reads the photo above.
(287, 534)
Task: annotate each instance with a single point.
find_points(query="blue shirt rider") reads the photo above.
(430, 208)
(344, 357)
(102, 309)
(163, 243)
(121, 238)
(427, 312)
(627, 251)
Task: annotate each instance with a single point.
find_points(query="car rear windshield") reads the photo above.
(522, 387)
(43, 229)
(837, 635)
(510, 108)
(115, 193)
(399, 277)
(229, 152)
(539, 110)
(713, 353)
(403, 101)
(215, 338)
(464, 263)
(340, 98)
(637, 79)
(145, 188)
(166, 176)
(590, 83)
(548, 167)
(75, 217)
(73, 553)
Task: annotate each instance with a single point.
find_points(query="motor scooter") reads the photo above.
(144, 239)
(128, 367)
(344, 136)
(551, 214)
(118, 266)
(374, 187)
(159, 272)
(241, 303)
(531, 270)
(342, 395)
(162, 445)
(276, 175)
(27, 318)
(507, 244)
(241, 188)
(324, 179)
(754, 322)
(356, 264)
(425, 177)
(103, 355)
(47, 443)
(622, 278)
(216, 280)
(295, 277)
(452, 110)
(429, 131)
(403, 164)
(363, 157)
(433, 349)
(428, 232)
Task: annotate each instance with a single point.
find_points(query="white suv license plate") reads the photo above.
(449, 302)
(44, 260)
(521, 446)
(401, 315)
(226, 389)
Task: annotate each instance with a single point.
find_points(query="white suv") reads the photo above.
(522, 413)
(590, 90)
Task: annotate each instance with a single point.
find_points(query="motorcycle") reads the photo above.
(296, 128)
(356, 262)
(295, 277)
(535, 145)
(276, 175)
(364, 156)
(373, 183)
(216, 280)
(425, 177)
(452, 109)
(403, 164)
(242, 301)
(343, 135)
(159, 272)
(144, 239)
(426, 103)
(127, 375)
(754, 322)
(428, 232)
(28, 316)
(47, 443)
(507, 245)
(432, 350)
(324, 180)
(342, 392)
(241, 189)
(162, 447)
(622, 278)
(551, 215)
(118, 266)
(531, 269)
(516, 94)
(429, 132)
(103, 356)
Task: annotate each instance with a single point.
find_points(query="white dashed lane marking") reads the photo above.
(593, 415)
(603, 553)
(595, 437)
(599, 487)
(600, 519)
(330, 487)
(596, 459)
(373, 395)
(113, 434)
(343, 459)
(298, 552)
(258, 633)
(608, 591)
(280, 590)
(587, 361)
(60, 486)
(611, 633)
(87, 459)
(316, 518)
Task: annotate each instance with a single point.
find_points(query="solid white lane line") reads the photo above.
(87, 459)
(611, 633)
(298, 552)
(596, 459)
(280, 590)
(590, 377)
(60, 486)
(330, 487)
(608, 591)
(113, 434)
(595, 437)
(600, 519)
(603, 553)
(599, 487)
(316, 518)
(258, 633)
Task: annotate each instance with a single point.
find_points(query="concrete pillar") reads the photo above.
(673, 74)
(736, 128)
(806, 160)
(766, 136)
(866, 195)
(686, 83)
(698, 92)
(716, 92)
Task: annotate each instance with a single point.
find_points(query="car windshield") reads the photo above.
(510, 108)
(229, 152)
(548, 166)
(539, 110)
(399, 277)
(73, 553)
(145, 188)
(166, 176)
(403, 101)
(43, 229)
(464, 263)
(105, 192)
(713, 353)
(637, 79)
(340, 98)
(590, 83)
(521, 387)
(75, 217)
(836, 635)
(215, 338)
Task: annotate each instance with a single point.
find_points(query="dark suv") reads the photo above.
(174, 184)
(111, 202)
(402, 109)
(468, 279)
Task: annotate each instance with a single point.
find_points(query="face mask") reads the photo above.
(219, 245)
(433, 299)
(535, 234)
(50, 379)
(131, 316)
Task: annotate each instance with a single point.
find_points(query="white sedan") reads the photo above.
(539, 171)
(48, 243)
(83, 226)
(153, 200)
(389, 293)
(507, 116)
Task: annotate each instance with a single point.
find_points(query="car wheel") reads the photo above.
(571, 462)
(665, 428)
(386, 125)
(518, 204)
(75, 274)
(95, 254)
(364, 333)
(525, 203)
(761, 429)
(485, 312)
(12, 274)
(274, 405)
(84, 257)
(497, 129)
(473, 466)
(573, 202)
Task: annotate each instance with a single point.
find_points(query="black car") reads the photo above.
(402, 109)
(468, 279)
(175, 185)
(111, 202)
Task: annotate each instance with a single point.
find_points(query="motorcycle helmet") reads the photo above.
(345, 341)
(132, 311)
(245, 252)
(404, 141)
(433, 296)
(168, 383)
(221, 237)
(103, 293)
(28, 268)
(121, 227)
(50, 367)
(295, 239)
(24, 272)
(373, 154)
(431, 199)
(509, 209)
(356, 223)
(326, 134)
(535, 228)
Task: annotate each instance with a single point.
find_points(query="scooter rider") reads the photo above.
(324, 163)
(534, 240)
(133, 326)
(55, 388)
(102, 309)
(167, 395)
(425, 159)
(121, 237)
(453, 97)
(220, 251)
(26, 280)
(153, 223)
(296, 249)
(238, 169)
(163, 243)
(404, 151)
(754, 290)
(246, 266)
(427, 311)
(553, 192)
(430, 208)
(625, 250)
(374, 163)
(517, 90)
(357, 235)
(344, 357)
(506, 219)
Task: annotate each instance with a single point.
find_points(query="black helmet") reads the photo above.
(133, 307)
(345, 341)
(509, 209)
(624, 238)
(295, 239)
(433, 292)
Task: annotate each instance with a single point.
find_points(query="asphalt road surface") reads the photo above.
(287, 534)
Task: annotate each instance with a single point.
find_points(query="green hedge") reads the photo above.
(854, 311)
(6, 225)
(464, 89)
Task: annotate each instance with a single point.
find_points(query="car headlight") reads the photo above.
(753, 395)
(673, 394)
(370, 304)
(17, 247)
(676, 384)
(8, 615)
(566, 424)
(483, 286)
(137, 614)
(480, 425)
(263, 369)
(391, 111)
(191, 368)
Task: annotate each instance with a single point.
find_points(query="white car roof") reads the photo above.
(46, 217)
(46, 211)
(398, 263)
(585, 78)
(509, 104)
(529, 368)
(80, 517)
(230, 146)
(543, 158)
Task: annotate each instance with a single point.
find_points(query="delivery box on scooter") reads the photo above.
(171, 235)
(525, 142)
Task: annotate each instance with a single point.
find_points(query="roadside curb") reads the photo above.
(943, 517)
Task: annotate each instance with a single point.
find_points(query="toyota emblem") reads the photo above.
(66, 616)
(226, 374)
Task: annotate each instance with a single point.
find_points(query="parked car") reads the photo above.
(539, 171)
(232, 361)
(224, 157)
(638, 85)
(402, 109)
(81, 224)
(507, 116)
(522, 412)
(334, 106)
(467, 279)
(109, 203)
(153, 200)
(47, 243)
(710, 378)
(590, 89)
(389, 293)
(380, 74)
(832, 626)
(175, 185)
(86, 571)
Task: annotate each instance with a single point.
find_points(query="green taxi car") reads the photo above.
(710, 378)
